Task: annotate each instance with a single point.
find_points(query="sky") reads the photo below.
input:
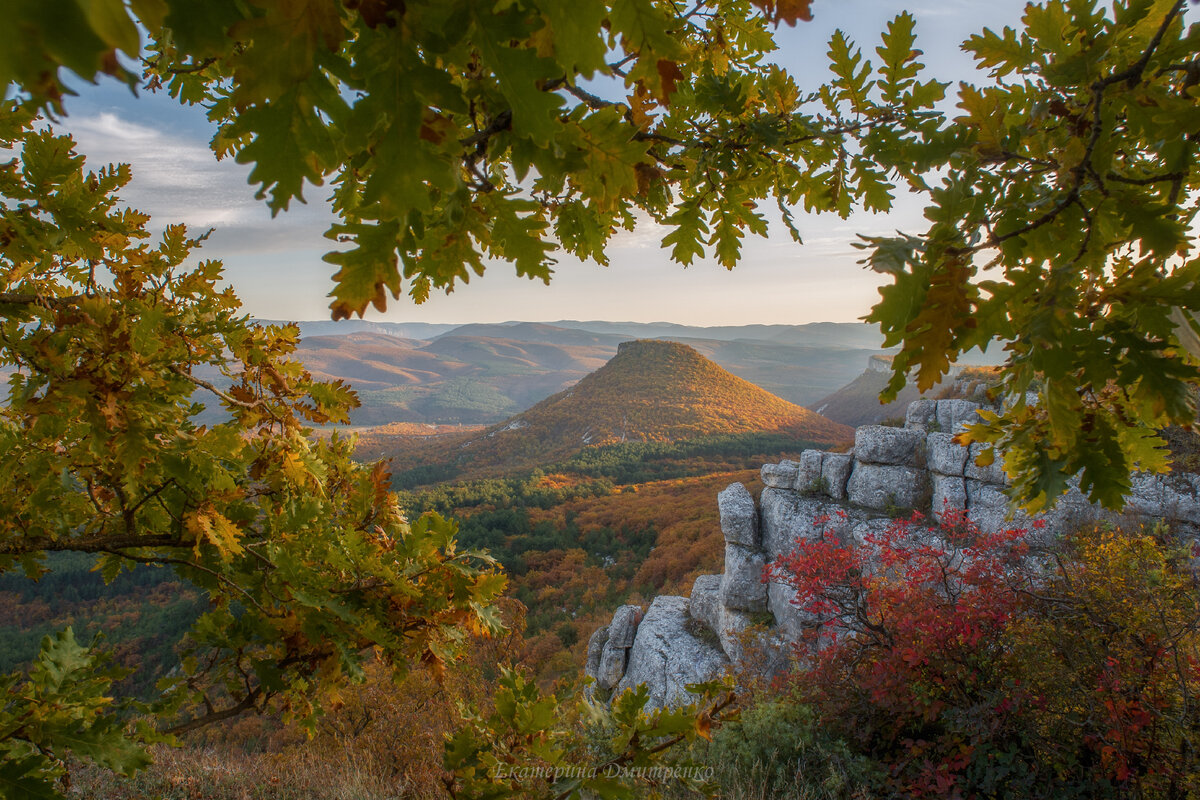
(275, 264)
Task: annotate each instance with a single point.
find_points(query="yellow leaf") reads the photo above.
(214, 528)
(293, 468)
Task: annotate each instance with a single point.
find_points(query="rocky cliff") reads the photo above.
(890, 472)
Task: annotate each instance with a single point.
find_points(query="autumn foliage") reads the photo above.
(978, 665)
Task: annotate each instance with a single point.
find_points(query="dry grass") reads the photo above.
(221, 772)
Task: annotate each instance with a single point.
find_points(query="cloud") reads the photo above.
(179, 179)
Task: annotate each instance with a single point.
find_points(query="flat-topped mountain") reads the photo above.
(653, 391)
(650, 391)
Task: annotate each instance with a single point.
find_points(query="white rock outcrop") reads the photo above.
(917, 467)
(667, 655)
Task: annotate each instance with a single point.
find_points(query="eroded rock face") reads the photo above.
(953, 415)
(835, 473)
(705, 603)
(948, 493)
(739, 515)
(944, 456)
(888, 488)
(992, 473)
(614, 653)
(611, 667)
(742, 587)
(623, 627)
(921, 415)
(880, 444)
(787, 516)
(782, 475)
(595, 648)
(811, 471)
(850, 495)
(667, 656)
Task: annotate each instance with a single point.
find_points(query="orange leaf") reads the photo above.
(670, 74)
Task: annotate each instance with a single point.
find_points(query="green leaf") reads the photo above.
(646, 26)
(520, 70)
(27, 777)
(368, 270)
(690, 234)
(578, 43)
(900, 66)
(109, 19)
(852, 83)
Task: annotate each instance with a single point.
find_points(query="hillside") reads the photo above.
(857, 403)
(450, 380)
(651, 391)
(482, 373)
(661, 391)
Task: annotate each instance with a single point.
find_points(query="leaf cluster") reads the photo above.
(1061, 227)
(307, 560)
(534, 745)
(62, 708)
(969, 664)
(454, 133)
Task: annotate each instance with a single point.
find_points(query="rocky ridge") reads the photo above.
(890, 472)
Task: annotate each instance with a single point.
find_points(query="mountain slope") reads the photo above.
(857, 403)
(481, 374)
(650, 391)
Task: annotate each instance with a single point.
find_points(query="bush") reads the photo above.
(779, 749)
(965, 666)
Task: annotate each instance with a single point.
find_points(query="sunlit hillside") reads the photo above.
(651, 391)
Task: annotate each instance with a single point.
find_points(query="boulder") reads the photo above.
(614, 653)
(888, 488)
(666, 656)
(742, 587)
(808, 477)
(781, 475)
(788, 516)
(943, 455)
(611, 667)
(704, 605)
(595, 648)
(623, 628)
(835, 471)
(921, 415)
(993, 473)
(952, 415)
(879, 444)
(948, 492)
(739, 517)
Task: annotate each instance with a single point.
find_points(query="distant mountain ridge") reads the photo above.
(482, 373)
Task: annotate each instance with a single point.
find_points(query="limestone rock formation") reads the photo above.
(667, 655)
(739, 517)
(920, 467)
(742, 587)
